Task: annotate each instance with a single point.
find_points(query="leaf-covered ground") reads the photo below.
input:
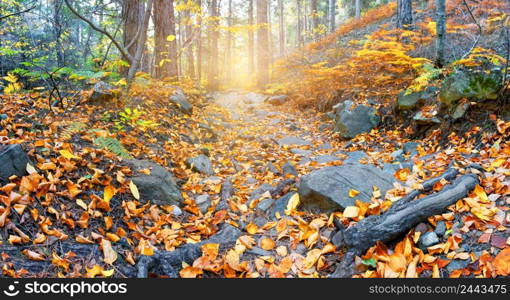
(80, 194)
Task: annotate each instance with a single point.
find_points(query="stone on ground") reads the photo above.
(102, 92)
(201, 164)
(180, 100)
(327, 189)
(159, 187)
(13, 161)
(352, 120)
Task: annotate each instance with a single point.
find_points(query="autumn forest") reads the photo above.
(254, 139)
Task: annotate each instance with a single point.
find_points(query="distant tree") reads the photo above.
(332, 15)
(251, 38)
(165, 39)
(281, 10)
(404, 13)
(263, 50)
(441, 32)
(213, 62)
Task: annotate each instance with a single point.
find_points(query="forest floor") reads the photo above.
(77, 213)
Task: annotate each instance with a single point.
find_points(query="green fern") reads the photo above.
(113, 145)
(72, 129)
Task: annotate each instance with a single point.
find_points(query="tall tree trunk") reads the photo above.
(58, 30)
(132, 14)
(315, 18)
(357, 9)
(299, 23)
(135, 65)
(404, 13)
(190, 54)
(165, 48)
(332, 15)
(281, 27)
(251, 38)
(441, 32)
(263, 44)
(228, 60)
(270, 31)
(199, 43)
(213, 63)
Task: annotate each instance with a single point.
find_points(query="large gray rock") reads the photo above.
(352, 120)
(407, 101)
(180, 100)
(13, 161)
(293, 141)
(473, 84)
(201, 164)
(422, 119)
(102, 92)
(254, 98)
(277, 100)
(159, 187)
(327, 189)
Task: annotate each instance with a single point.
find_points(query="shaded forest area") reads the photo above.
(254, 138)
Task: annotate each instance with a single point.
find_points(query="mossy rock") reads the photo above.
(474, 85)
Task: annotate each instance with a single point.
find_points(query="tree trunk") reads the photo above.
(58, 30)
(228, 60)
(263, 44)
(199, 44)
(441, 32)
(332, 15)
(190, 54)
(132, 14)
(137, 59)
(251, 39)
(405, 13)
(165, 48)
(282, 27)
(299, 33)
(357, 9)
(315, 18)
(213, 63)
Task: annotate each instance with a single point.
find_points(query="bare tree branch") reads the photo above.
(17, 13)
(121, 49)
(480, 30)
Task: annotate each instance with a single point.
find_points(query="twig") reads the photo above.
(480, 30)
(121, 49)
(17, 13)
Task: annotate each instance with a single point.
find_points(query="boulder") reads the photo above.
(203, 202)
(201, 164)
(277, 100)
(422, 119)
(280, 205)
(428, 239)
(13, 161)
(352, 120)
(289, 169)
(327, 189)
(159, 187)
(408, 101)
(254, 98)
(460, 110)
(180, 100)
(293, 141)
(354, 157)
(102, 92)
(472, 84)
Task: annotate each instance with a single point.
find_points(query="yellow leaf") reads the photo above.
(170, 38)
(31, 169)
(351, 212)
(480, 193)
(252, 228)
(110, 256)
(109, 192)
(67, 154)
(353, 193)
(292, 204)
(311, 258)
(81, 204)
(267, 244)
(134, 190)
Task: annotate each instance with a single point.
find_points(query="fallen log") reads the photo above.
(400, 218)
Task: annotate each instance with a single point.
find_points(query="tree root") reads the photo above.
(400, 218)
